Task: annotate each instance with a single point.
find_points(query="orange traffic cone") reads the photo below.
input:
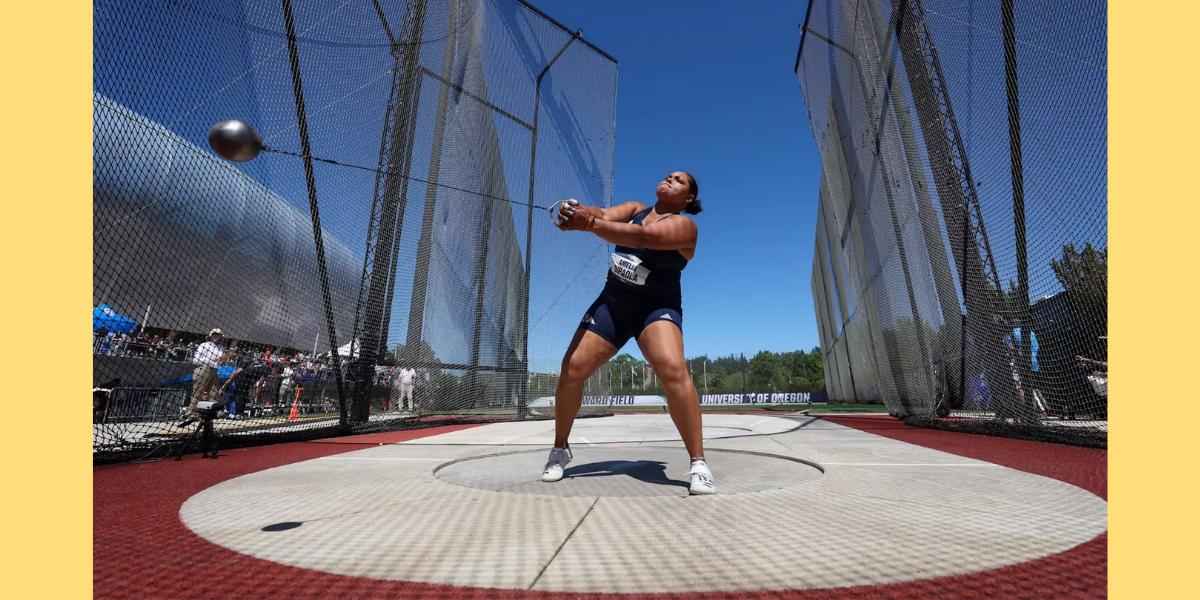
(295, 414)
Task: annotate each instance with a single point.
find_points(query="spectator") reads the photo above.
(978, 390)
(1034, 371)
(100, 335)
(1098, 378)
(1099, 367)
(406, 380)
(207, 358)
(393, 389)
(257, 375)
(233, 390)
(1025, 411)
(287, 384)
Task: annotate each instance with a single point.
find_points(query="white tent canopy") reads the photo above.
(345, 350)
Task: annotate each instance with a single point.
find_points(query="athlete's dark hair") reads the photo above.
(693, 207)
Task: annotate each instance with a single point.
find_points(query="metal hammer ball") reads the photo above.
(234, 140)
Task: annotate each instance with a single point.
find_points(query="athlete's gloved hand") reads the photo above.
(573, 216)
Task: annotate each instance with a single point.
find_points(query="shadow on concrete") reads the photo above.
(649, 471)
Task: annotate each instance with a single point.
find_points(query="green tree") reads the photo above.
(625, 370)
(1084, 278)
(1084, 272)
(797, 363)
(736, 370)
(815, 369)
(767, 372)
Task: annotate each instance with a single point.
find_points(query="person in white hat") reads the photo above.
(204, 378)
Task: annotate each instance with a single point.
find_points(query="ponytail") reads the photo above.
(693, 207)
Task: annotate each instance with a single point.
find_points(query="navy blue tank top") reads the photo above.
(655, 271)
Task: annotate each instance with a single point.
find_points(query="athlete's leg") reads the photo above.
(662, 344)
(587, 352)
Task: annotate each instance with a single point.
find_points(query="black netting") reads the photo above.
(407, 262)
(960, 268)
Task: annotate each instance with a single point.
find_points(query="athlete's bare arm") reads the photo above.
(623, 212)
(675, 233)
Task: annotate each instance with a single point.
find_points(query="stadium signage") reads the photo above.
(706, 399)
(768, 398)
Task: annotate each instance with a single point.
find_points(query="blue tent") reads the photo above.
(104, 316)
(223, 373)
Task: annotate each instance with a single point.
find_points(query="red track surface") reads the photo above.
(141, 549)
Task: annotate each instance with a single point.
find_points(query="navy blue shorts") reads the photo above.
(616, 318)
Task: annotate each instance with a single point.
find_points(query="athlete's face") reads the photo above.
(675, 188)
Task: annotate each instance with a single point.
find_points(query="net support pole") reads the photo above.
(1024, 357)
(523, 399)
(395, 160)
(956, 187)
(416, 307)
(480, 284)
(962, 282)
(503, 350)
(743, 365)
(314, 210)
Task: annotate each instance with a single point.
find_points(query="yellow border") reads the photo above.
(1153, 220)
(46, 157)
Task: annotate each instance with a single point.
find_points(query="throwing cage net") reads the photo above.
(388, 261)
(960, 271)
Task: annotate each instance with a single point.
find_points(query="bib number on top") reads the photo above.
(628, 268)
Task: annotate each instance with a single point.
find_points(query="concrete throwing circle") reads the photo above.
(624, 471)
(882, 511)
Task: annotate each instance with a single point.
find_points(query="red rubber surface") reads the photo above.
(141, 549)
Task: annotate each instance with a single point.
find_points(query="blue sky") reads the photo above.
(710, 89)
(702, 87)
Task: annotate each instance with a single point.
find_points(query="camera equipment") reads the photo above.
(204, 429)
(208, 408)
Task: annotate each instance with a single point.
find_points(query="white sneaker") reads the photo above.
(559, 458)
(702, 479)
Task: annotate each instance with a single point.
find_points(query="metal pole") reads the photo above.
(1018, 191)
(416, 310)
(962, 280)
(480, 294)
(396, 156)
(743, 376)
(706, 375)
(314, 210)
(803, 33)
(955, 184)
(523, 401)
